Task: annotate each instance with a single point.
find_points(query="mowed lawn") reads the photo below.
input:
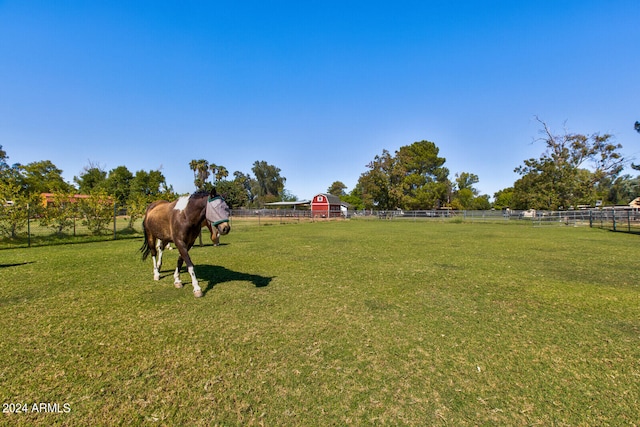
(329, 323)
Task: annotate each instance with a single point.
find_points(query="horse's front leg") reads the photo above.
(197, 290)
(183, 248)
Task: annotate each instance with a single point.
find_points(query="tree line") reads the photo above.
(573, 170)
(244, 190)
(22, 186)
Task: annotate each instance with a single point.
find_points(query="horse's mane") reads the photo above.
(200, 193)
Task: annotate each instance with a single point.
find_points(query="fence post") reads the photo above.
(115, 209)
(28, 226)
(614, 218)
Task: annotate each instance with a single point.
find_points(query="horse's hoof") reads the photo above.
(178, 285)
(198, 293)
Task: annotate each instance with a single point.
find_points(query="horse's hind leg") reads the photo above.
(153, 245)
(176, 274)
(157, 264)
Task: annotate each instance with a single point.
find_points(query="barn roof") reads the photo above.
(333, 200)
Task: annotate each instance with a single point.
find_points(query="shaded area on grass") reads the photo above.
(16, 264)
(215, 274)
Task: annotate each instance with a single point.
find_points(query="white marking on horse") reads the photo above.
(181, 204)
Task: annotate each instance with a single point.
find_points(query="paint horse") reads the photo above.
(180, 222)
(215, 235)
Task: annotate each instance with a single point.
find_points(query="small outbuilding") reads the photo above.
(325, 205)
(49, 199)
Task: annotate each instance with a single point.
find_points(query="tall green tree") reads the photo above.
(354, 198)
(503, 198)
(463, 199)
(92, 178)
(3, 159)
(337, 189)
(43, 177)
(269, 182)
(465, 194)
(481, 203)
(146, 187)
(425, 180)
(466, 180)
(415, 178)
(249, 187)
(152, 184)
(622, 190)
(118, 184)
(569, 172)
(379, 186)
(234, 193)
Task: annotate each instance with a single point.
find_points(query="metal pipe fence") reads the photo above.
(625, 220)
(35, 231)
(621, 219)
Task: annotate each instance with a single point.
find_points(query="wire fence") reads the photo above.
(34, 231)
(624, 220)
(621, 219)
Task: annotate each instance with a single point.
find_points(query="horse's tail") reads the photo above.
(145, 249)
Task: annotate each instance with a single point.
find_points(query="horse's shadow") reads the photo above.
(215, 274)
(15, 264)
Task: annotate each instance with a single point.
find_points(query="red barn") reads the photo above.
(325, 206)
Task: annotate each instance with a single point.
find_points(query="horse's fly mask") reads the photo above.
(217, 211)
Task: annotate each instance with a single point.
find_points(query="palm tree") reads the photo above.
(200, 170)
(221, 173)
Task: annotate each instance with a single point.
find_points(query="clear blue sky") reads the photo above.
(316, 88)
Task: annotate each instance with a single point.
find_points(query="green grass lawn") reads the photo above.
(329, 323)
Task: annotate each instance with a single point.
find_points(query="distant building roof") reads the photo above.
(294, 203)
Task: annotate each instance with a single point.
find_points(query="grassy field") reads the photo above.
(329, 323)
